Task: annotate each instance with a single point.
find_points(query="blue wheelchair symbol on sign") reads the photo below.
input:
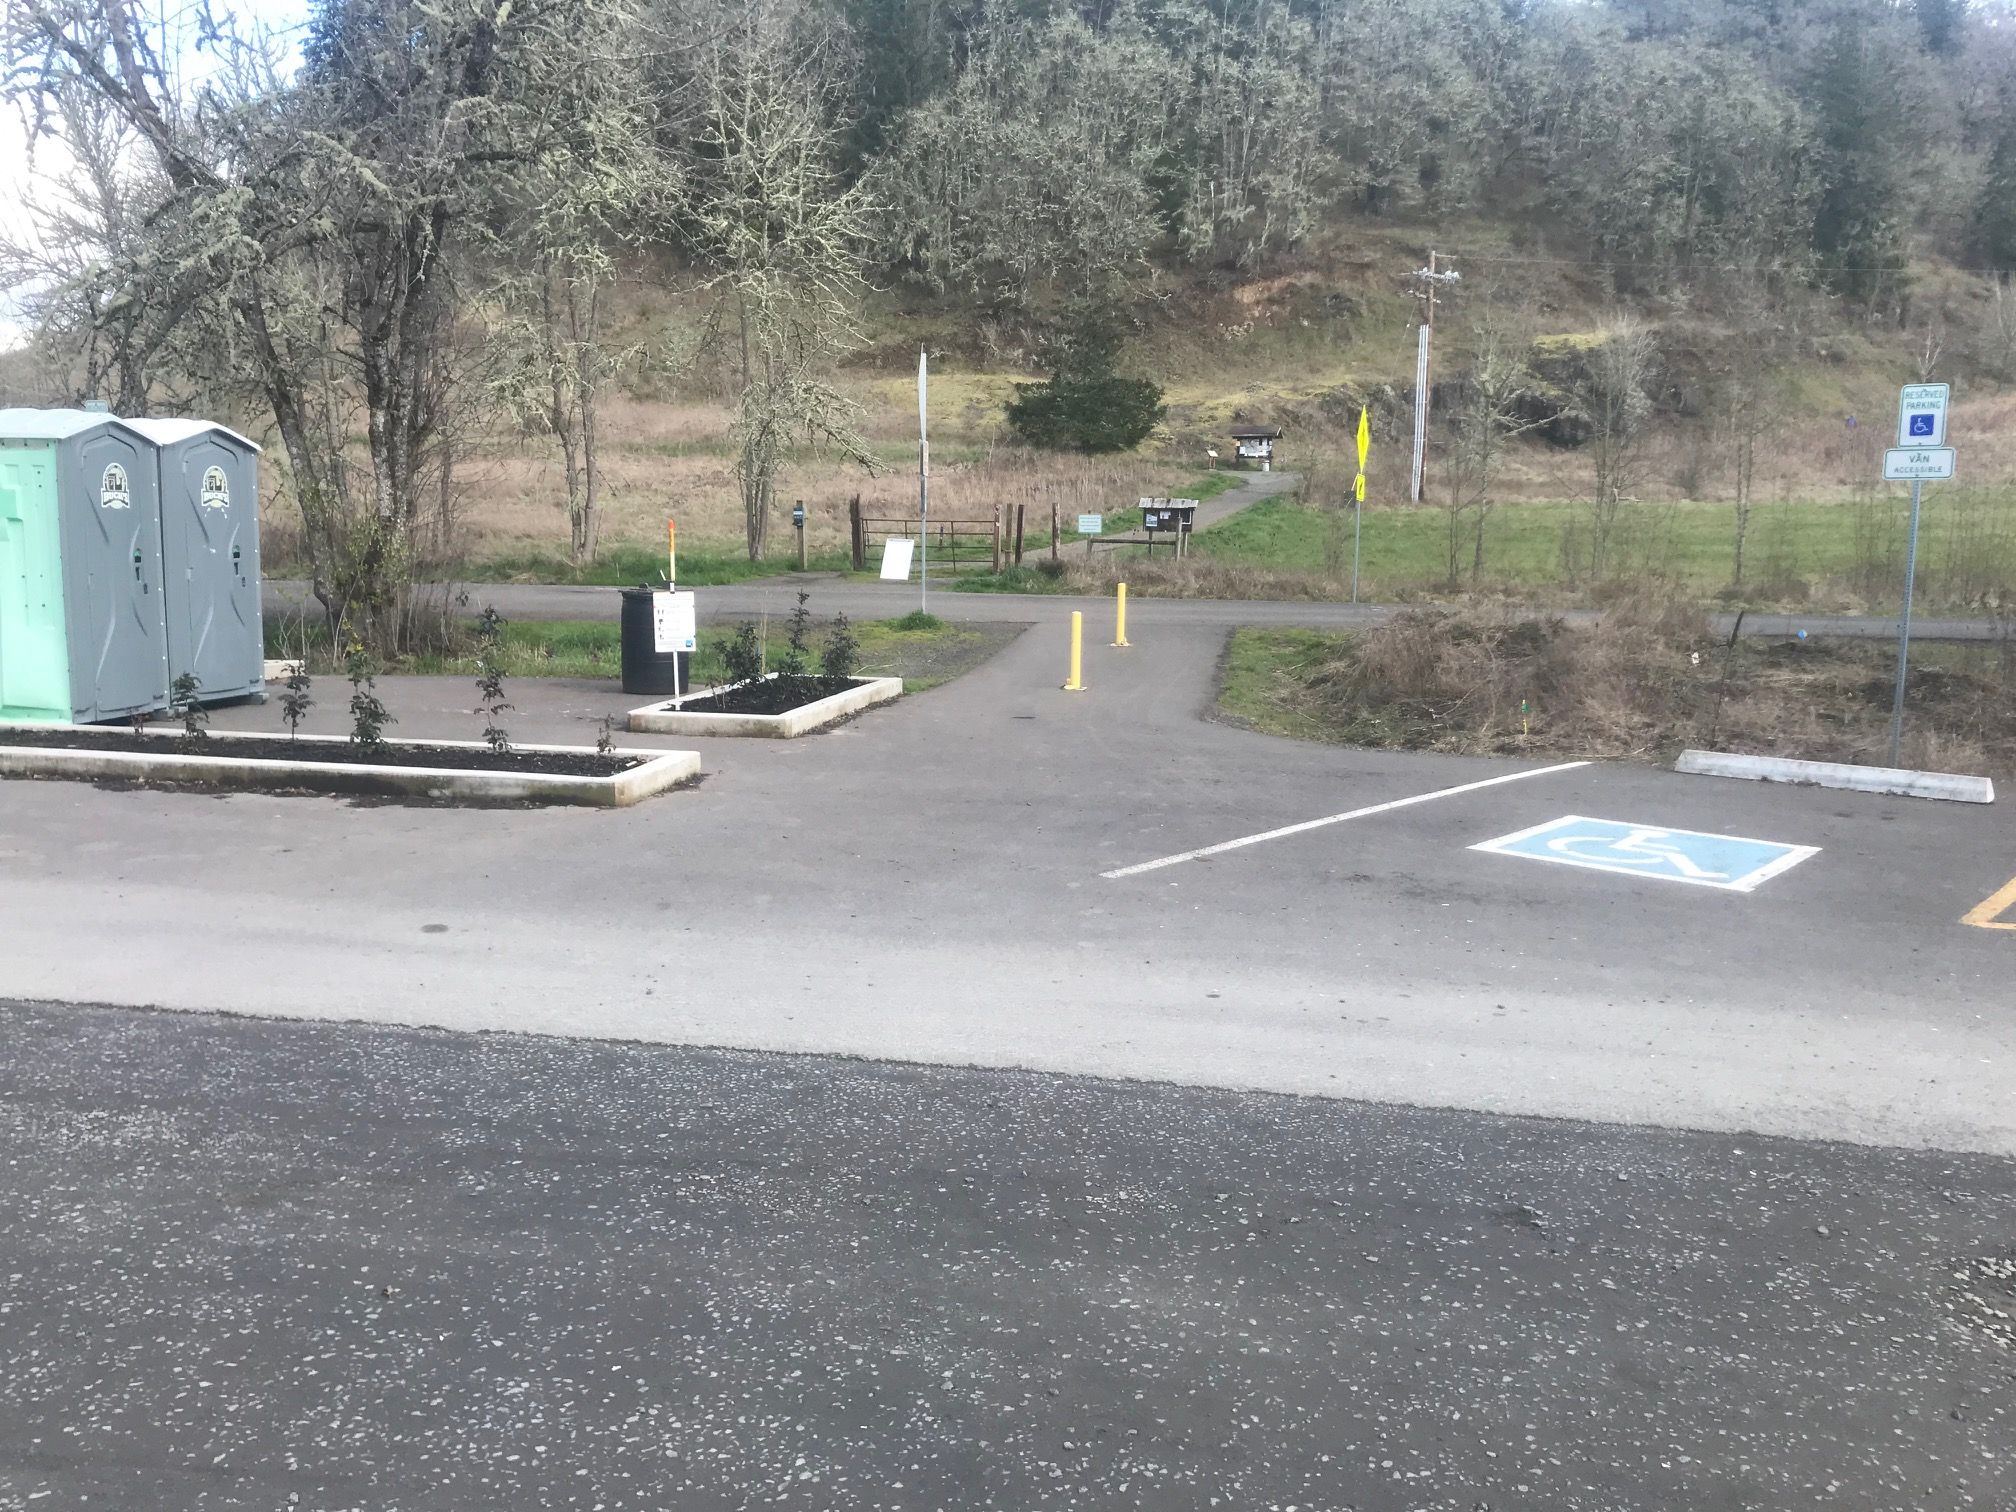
(1729, 862)
(1922, 425)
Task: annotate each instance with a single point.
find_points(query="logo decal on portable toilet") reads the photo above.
(112, 490)
(216, 492)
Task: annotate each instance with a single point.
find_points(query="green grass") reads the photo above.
(1967, 545)
(1023, 579)
(1262, 671)
(623, 566)
(921, 649)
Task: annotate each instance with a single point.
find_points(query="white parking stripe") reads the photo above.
(1362, 813)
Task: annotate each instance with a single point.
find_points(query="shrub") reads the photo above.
(182, 700)
(797, 658)
(1087, 412)
(296, 699)
(742, 657)
(842, 651)
(490, 677)
(368, 716)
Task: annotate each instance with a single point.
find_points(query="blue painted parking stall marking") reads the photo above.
(1729, 862)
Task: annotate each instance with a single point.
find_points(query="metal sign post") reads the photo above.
(923, 493)
(1921, 453)
(1358, 494)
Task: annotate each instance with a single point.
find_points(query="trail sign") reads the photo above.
(1921, 415)
(672, 622)
(1918, 464)
(1091, 524)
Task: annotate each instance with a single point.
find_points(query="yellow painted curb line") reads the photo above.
(1988, 913)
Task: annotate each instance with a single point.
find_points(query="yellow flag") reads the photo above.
(1364, 435)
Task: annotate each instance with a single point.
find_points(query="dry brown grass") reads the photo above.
(1645, 684)
(665, 460)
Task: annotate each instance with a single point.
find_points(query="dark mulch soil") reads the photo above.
(774, 695)
(452, 758)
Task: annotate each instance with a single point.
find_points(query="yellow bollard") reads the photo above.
(1120, 616)
(1077, 682)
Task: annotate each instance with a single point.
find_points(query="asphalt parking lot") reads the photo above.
(930, 883)
(249, 1266)
(1748, 1255)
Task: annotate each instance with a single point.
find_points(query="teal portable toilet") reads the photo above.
(209, 484)
(83, 634)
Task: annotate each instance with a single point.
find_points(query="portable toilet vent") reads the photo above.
(210, 553)
(83, 635)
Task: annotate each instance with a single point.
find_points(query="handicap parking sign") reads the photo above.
(1729, 862)
(1924, 426)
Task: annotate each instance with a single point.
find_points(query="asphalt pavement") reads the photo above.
(255, 1266)
(928, 883)
(1020, 1176)
(862, 599)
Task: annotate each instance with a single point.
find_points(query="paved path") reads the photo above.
(1253, 487)
(377, 1269)
(869, 600)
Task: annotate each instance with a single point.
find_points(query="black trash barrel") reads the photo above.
(646, 669)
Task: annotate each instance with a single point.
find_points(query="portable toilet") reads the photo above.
(210, 554)
(83, 635)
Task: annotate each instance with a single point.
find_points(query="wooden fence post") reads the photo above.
(854, 530)
(1019, 508)
(997, 538)
(1053, 530)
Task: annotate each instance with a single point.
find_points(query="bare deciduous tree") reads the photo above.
(779, 234)
(605, 188)
(303, 249)
(1613, 392)
(1491, 410)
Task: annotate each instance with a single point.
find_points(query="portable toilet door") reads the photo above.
(108, 534)
(210, 547)
(34, 650)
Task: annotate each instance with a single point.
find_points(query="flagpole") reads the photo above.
(923, 493)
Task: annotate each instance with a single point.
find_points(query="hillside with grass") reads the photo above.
(503, 299)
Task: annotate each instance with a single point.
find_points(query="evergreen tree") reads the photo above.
(1995, 211)
(1858, 225)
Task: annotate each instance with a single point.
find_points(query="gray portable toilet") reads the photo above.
(83, 635)
(210, 550)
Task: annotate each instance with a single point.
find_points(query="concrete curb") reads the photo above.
(663, 770)
(1950, 786)
(278, 671)
(663, 719)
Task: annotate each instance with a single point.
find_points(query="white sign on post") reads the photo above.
(672, 622)
(1921, 415)
(1091, 524)
(1918, 464)
(896, 553)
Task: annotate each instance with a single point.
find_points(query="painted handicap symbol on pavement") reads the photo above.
(1729, 862)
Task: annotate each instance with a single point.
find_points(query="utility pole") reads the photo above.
(1434, 276)
(923, 491)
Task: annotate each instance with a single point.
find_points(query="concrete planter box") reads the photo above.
(218, 768)
(663, 719)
